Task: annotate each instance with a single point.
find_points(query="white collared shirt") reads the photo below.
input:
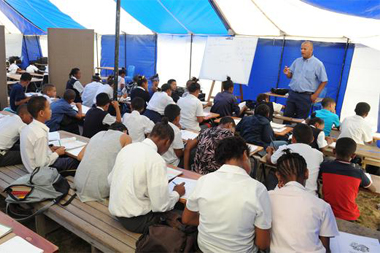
(191, 108)
(170, 157)
(120, 81)
(159, 101)
(299, 218)
(108, 119)
(32, 69)
(105, 88)
(356, 128)
(138, 125)
(34, 146)
(138, 182)
(13, 68)
(89, 93)
(77, 85)
(231, 204)
(10, 129)
(313, 158)
(321, 139)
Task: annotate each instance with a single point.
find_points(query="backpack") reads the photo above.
(42, 184)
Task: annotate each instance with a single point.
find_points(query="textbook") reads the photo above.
(172, 173)
(346, 242)
(4, 230)
(68, 143)
(188, 135)
(189, 185)
(18, 244)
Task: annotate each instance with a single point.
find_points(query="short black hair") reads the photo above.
(102, 99)
(345, 147)
(172, 111)
(314, 120)
(140, 80)
(138, 104)
(165, 87)
(192, 80)
(22, 109)
(69, 95)
(122, 71)
(96, 78)
(118, 126)
(327, 101)
(229, 148)
(227, 120)
(262, 97)
(290, 164)
(110, 81)
(74, 71)
(227, 84)
(26, 77)
(362, 108)
(263, 110)
(163, 130)
(303, 133)
(170, 81)
(47, 87)
(193, 87)
(35, 105)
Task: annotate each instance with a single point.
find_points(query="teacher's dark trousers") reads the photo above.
(298, 105)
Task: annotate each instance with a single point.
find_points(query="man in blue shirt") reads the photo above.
(17, 96)
(308, 79)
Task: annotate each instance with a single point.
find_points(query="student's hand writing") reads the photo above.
(180, 188)
(115, 104)
(60, 151)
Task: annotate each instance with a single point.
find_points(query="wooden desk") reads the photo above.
(25, 233)
(211, 115)
(284, 118)
(11, 82)
(217, 121)
(276, 95)
(365, 151)
(32, 74)
(106, 68)
(18, 77)
(258, 149)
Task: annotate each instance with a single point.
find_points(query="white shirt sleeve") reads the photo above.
(148, 125)
(78, 86)
(177, 142)
(263, 219)
(108, 119)
(321, 140)
(41, 147)
(199, 110)
(276, 155)
(192, 201)
(367, 133)
(328, 226)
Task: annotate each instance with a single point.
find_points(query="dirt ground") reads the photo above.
(369, 213)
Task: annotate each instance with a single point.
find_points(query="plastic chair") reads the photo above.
(130, 73)
(318, 105)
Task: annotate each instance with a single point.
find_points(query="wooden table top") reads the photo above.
(284, 118)
(32, 74)
(106, 68)
(25, 233)
(211, 115)
(276, 95)
(18, 77)
(284, 132)
(365, 151)
(64, 134)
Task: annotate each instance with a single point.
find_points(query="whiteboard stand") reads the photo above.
(221, 89)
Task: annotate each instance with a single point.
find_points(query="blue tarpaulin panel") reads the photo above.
(31, 50)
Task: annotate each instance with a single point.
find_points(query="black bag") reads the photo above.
(279, 91)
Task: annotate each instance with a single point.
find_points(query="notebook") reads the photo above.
(279, 130)
(68, 143)
(17, 244)
(188, 135)
(277, 126)
(189, 185)
(54, 136)
(346, 242)
(172, 173)
(4, 230)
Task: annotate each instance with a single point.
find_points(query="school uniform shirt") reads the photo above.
(356, 128)
(105, 88)
(89, 93)
(34, 147)
(298, 219)
(159, 101)
(330, 118)
(75, 85)
(59, 109)
(138, 125)
(170, 157)
(17, 94)
(256, 129)
(13, 68)
(32, 69)
(140, 92)
(231, 204)
(138, 182)
(120, 81)
(313, 158)
(341, 182)
(10, 129)
(225, 104)
(319, 138)
(191, 108)
(96, 120)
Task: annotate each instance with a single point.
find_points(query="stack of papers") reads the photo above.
(68, 143)
(345, 242)
(189, 185)
(172, 173)
(17, 244)
(188, 135)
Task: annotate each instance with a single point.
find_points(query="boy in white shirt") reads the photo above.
(355, 127)
(139, 195)
(13, 68)
(32, 68)
(301, 139)
(301, 222)
(175, 152)
(34, 147)
(105, 88)
(138, 125)
(10, 129)
(231, 209)
(90, 91)
(158, 102)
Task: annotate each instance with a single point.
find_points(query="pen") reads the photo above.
(59, 142)
(174, 183)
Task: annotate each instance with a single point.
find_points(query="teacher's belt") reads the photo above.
(304, 92)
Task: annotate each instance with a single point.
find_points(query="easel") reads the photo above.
(221, 89)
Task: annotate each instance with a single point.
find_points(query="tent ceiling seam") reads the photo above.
(270, 20)
(171, 14)
(221, 15)
(40, 14)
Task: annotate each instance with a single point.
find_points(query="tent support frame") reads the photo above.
(342, 70)
(117, 42)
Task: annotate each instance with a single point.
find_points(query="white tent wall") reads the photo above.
(44, 45)
(9, 27)
(13, 44)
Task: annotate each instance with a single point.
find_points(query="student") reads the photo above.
(17, 96)
(173, 87)
(342, 179)
(63, 116)
(205, 144)
(106, 88)
(301, 139)
(256, 129)
(317, 125)
(32, 68)
(225, 102)
(158, 102)
(191, 108)
(49, 92)
(96, 163)
(155, 80)
(231, 209)
(14, 68)
(175, 152)
(301, 222)
(35, 151)
(10, 129)
(188, 83)
(121, 80)
(139, 195)
(97, 118)
(141, 90)
(138, 125)
(355, 127)
(328, 115)
(90, 91)
(74, 84)
(274, 107)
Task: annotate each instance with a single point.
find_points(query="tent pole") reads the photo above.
(117, 42)
(125, 50)
(191, 53)
(280, 64)
(97, 50)
(342, 70)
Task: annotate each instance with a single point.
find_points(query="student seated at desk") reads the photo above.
(225, 102)
(63, 116)
(205, 144)
(328, 114)
(141, 90)
(175, 152)
(231, 209)
(317, 125)
(158, 102)
(49, 92)
(155, 80)
(14, 68)
(138, 125)
(256, 129)
(74, 84)
(274, 107)
(355, 127)
(301, 139)
(191, 108)
(174, 88)
(139, 195)
(17, 96)
(90, 91)
(97, 118)
(301, 222)
(32, 67)
(35, 151)
(107, 88)
(96, 163)
(342, 180)
(10, 129)
(121, 81)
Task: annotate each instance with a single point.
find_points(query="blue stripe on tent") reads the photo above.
(361, 8)
(31, 50)
(43, 14)
(176, 17)
(24, 25)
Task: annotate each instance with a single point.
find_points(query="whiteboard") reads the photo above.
(228, 56)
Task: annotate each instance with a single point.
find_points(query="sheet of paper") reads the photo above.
(54, 136)
(207, 114)
(276, 125)
(4, 230)
(350, 243)
(84, 108)
(189, 185)
(279, 130)
(18, 244)
(252, 148)
(332, 145)
(242, 104)
(172, 173)
(75, 151)
(237, 121)
(68, 143)
(188, 135)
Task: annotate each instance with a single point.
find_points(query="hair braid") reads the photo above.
(291, 164)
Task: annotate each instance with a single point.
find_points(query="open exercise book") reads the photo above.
(72, 145)
(278, 128)
(17, 244)
(189, 185)
(350, 243)
(84, 108)
(172, 173)
(188, 135)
